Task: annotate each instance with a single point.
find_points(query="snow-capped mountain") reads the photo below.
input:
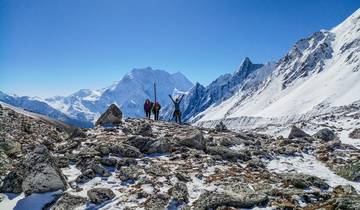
(38, 106)
(319, 72)
(129, 94)
(245, 79)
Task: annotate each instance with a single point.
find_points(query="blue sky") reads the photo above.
(55, 47)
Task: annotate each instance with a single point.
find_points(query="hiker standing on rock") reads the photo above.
(177, 112)
(147, 108)
(156, 109)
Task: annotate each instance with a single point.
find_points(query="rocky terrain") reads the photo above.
(142, 164)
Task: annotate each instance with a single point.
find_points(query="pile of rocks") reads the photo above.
(158, 165)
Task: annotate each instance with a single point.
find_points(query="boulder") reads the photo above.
(149, 145)
(100, 195)
(182, 177)
(144, 129)
(129, 173)
(179, 192)
(342, 190)
(228, 154)
(112, 116)
(355, 134)
(68, 201)
(304, 181)
(157, 170)
(193, 140)
(4, 163)
(349, 171)
(325, 134)
(12, 183)
(349, 202)
(125, 150)
(156, 202)
(221, 127)
(77, 133)
(126, 162)
(9, 146)
(213, 200)
(85, 176)
(41, 173)
(296, 132)
(109, 161)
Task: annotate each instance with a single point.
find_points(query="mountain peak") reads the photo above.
(246, 68)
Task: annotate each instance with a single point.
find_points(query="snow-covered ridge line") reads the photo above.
(320, 69)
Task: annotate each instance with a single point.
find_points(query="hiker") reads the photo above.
(177, 113)
(156, 109)
(147, 108)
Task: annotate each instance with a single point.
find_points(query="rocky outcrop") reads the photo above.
(150, 145)
(37, 174)
(212, 200)
(100, 195)
(228, 154)
(325, 134)
(350, 171)
(112, 116)
(221, 127)
(68, 201)
(296, 132)
(41, 173)
(355, 134)
(193, 140)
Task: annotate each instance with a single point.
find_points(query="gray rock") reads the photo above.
(85, 176)
(342, 190)
(68, 201)
(179, 192)
(193, 140)
(109, 161)
(296, 132)
(9, 146)
(144, 129)
(41, 173)
(349, 202)
(112, 116)
(183, 177)
(221, 127)
(77, 133)
(43, 179)
(349, 171)
(157, 170)
(304, 181)
(100, 195)
(12, 183)
(126, 162)
(131, 172)
(213, 200)
(100, 170)
(325, 134)
(4, 163)
(228, 154)
(355, 134)
(124, 150)
(157, 202)
(150, 145)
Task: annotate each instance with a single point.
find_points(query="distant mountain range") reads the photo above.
(84, 106)
(320, 71)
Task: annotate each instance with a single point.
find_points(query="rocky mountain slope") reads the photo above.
(142, 164)
(320, 72)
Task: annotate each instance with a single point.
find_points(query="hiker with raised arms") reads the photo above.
(177, 112)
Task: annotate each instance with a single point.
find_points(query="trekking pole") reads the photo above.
(155, 91)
